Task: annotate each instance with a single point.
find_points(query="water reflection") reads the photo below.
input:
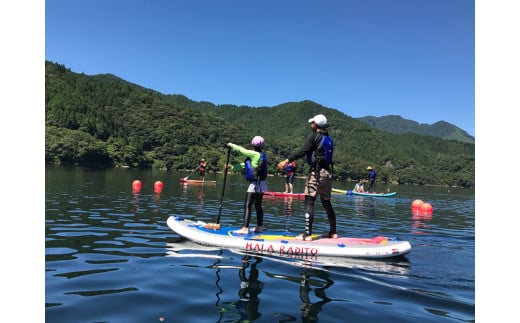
(287, 206)
(95, 226)
(311, 284)
(420, 222)
(320, 280)
(135, 203)
(364, 206)
(201, 199)
(183, 248)
(250, 288)
(156, 202)
(184, 188)
(288, 211)
(217, 284)
(192, 191)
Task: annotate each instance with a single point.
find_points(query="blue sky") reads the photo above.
(410, 58)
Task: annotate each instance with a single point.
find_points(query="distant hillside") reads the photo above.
(398, 125)
(105, 121)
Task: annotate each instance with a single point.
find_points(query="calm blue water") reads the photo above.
(110, 257)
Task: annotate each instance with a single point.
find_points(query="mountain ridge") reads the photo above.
(399, 125)
(105, 121)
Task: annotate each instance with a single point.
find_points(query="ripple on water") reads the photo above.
(111, 257)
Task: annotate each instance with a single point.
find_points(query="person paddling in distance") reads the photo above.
(255, 166)
(371, 180)
(318, 148)
(202, 169)
(290, 169)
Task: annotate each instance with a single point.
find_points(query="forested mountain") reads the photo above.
(104, 121)
(397, 124)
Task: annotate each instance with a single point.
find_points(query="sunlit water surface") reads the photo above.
(110, 257)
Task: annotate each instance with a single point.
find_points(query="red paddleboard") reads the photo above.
(282, 194)
(196, 181)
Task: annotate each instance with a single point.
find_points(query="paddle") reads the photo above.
(185, 178)
(223, 187)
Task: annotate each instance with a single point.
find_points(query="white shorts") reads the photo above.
(257, 187)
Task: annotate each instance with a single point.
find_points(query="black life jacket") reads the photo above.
(322, 155)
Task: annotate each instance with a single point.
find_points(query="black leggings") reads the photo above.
(371, 185)
(256, 199)
(309, 215)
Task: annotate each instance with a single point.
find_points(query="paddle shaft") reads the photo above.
(223, 185)
(191, 173)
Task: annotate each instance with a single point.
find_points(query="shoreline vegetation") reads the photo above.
(303, 177)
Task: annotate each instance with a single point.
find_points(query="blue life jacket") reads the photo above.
(323, 153)
(372, 173)
(259, 173)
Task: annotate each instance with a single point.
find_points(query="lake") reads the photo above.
(110, 257)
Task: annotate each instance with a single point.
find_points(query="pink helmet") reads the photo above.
(257, 141)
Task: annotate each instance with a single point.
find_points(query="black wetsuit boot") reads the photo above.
(309, 214)
(331, 215)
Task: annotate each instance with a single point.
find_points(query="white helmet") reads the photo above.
(320, 120)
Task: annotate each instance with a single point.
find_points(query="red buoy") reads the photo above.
(417, 204)
(427, 208)
(157, 187)
(136, 186)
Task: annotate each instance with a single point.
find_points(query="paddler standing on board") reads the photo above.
(318, 148)
(256, 173)
(371, 180)
(202, 169)
(290, 169)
